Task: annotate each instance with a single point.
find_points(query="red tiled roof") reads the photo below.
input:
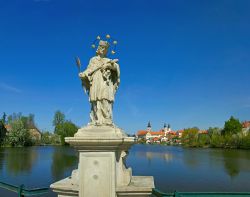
(203, 131)
(157, 133)
(173, 133)
(7, 126)
(142, 132)
(246, 124)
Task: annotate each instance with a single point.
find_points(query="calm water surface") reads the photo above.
(173, 168)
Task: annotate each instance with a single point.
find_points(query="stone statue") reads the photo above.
(102, 146)
(100, 80)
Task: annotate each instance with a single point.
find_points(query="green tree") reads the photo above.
(50, 138)
(203, 140)
(31, 121)
(232, 126)
(46, 138)
(24, 120)
(4, 118)
(59, 118)
(28, 121)
(232, 141)
(217, 140)
(190, 137)
(14, 116)
(66, 129)
(18, 135)
(3, 132)
(9, 118)
(245, 144)
(213, 130)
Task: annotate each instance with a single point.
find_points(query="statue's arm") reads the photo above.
(84, 75)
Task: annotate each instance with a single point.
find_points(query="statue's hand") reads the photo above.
(82, 75)
(114, 60)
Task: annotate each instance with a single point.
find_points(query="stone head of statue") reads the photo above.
(102, 49)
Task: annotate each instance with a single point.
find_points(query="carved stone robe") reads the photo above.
(101, 85)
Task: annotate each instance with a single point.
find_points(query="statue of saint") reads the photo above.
(101, 80)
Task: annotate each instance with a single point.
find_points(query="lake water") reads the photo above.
(173, 168)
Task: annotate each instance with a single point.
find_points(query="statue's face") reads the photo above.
(102, 50)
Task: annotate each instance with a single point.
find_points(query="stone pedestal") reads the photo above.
(101, 170)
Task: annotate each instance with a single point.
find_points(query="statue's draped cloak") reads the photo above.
(95, 83)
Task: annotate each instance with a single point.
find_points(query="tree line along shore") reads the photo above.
(234, 134)
(17, 130)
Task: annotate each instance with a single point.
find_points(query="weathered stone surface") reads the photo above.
(140, 186)
(101, 80)
(97, 174)
(66, 187)
(100, 131)
(102, 166)
(123, 174)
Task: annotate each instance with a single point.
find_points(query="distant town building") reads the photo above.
(7, 127)
(34, 132)
(203, 132)
(246, 124)
(179, 133)
(245, 127)
(149, 136)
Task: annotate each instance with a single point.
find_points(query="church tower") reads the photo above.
(169, 129)
(165, 127)
(149, 126)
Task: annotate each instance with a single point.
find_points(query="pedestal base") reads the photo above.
(101, 169)
(140, 186)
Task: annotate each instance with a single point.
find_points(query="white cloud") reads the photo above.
(9, 88)
(69, 111)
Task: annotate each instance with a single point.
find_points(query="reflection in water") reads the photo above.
(1, 158)
(191, 158)
(173, 168)
(62, 161)
(20, 160)
(231, 162)
(192, 169)
(155, 155)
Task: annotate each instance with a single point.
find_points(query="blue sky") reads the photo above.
(186, 63)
